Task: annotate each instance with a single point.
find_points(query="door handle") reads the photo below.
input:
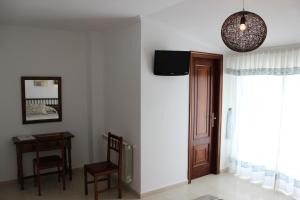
(213, 118)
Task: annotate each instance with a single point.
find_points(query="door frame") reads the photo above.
(218, 87)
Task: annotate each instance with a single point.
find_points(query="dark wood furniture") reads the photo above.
(27, 146)
(107, 168)
(205, 116)
(49, 143)
(57, 104)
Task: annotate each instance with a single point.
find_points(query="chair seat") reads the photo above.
(48, 161)
(101, 168)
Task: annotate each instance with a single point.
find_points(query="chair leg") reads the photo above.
(85, 181)
(96, 187)
(108, 181)
(120, 185)
(63, 177)
(34, 173)
(59, 173)
(39, 181)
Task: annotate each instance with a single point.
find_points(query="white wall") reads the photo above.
(164, 109)
(96, 92)
(36, 52)
(122, 88)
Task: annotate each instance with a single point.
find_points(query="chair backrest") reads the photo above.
(50, 143)
(115, 143)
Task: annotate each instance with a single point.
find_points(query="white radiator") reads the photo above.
(127, 161)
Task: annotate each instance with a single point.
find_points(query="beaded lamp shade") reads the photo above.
(244, 31)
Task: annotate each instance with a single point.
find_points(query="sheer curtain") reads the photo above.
(265, 144)
(288, 165)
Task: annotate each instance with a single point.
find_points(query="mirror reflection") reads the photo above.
(42, 100)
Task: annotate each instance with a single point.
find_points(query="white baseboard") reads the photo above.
(146, 194)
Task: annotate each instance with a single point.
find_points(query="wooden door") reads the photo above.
(203, 108)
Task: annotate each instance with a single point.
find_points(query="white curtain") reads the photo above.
(278, 61)
(265, 143)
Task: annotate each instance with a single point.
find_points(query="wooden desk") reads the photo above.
(26, 146)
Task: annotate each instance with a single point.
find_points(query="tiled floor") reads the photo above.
(224, 186)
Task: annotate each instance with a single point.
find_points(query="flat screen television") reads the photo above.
(171, 63)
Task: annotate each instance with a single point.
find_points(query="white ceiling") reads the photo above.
(200, 19)
(77, 14)
(203, 19)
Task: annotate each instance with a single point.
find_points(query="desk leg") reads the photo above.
(66, 160)
(70, 160)
(20, 167)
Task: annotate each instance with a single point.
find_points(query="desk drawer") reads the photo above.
(27, 148)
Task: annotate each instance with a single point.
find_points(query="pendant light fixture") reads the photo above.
(244, 31)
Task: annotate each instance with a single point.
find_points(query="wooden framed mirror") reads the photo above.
(41, 99)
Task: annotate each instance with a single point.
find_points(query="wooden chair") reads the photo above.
(106, 168)
(49, 143)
